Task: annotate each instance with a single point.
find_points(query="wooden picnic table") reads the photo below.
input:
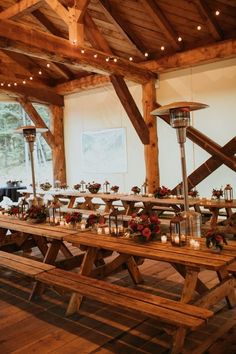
(127, 201)
(215, 207)
(41, 234)
(188, 262)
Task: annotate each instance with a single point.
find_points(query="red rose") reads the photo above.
(146, 233)
(154, 218)
(140, 227)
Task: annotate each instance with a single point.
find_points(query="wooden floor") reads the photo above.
(41, 327)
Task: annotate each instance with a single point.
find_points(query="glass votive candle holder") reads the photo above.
(99, 230)
(163, 239)
(107, 230)
(196, 245)
(82, 227)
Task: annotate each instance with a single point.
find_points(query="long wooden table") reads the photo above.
(40, 234)
(189, 263)
(127, 201)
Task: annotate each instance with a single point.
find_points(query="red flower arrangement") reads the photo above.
(77, 186)
(144, 227)
(162, 192)
(215, 240)
(73, 218)
(14, 210)
(193, 193)
(37, 213)
(217, 193)
(95, 219)
(93, 187)
(135, 189)
(115, 189)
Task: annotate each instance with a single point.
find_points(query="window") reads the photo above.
(14, 154)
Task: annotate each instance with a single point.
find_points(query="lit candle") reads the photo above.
(99, 230)
(196, 245)
(107, 231)
(62, 223)
(176, 239)
(163, 239)
(82, 227)
(191, 242)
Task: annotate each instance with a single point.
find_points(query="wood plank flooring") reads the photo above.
(41, 327)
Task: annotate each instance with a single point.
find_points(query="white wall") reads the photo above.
(213, 84)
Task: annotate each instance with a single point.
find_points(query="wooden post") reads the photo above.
(151, 150)
(58, 151)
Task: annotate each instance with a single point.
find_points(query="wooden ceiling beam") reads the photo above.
(131, 108)
(84, 83)
(122, 90)
(20, 8)
(194, 57)
(37, 120)
(159, 18)
(212, 24)
(35, 43)
(34, 93)
(122, 27)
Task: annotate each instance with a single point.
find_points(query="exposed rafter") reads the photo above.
(84, 83)
(37, 120)
(34, 93)
(159, 18)
(202, 55)
(210, 19)
(20, 8)
(122, 27)
(23, 39)
(122, 90)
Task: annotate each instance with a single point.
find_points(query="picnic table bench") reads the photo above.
(181, 316)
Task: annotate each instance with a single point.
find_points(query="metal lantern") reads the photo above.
(178, 235)
(82, 186)
(116, 227)
(55, 211)
(106, 187)
(144, 189)
(228, 193)
(180, 119)
(22, 207)
(57, 184)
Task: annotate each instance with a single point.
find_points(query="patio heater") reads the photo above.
(29, 133)
(180, 119)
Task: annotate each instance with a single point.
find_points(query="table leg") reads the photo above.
(201, 288)
(71, 202)
(231, 297)
(189, 285)
(86, 269)
(134, 271)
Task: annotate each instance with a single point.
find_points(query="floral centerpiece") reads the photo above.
(217, 193)
(193, 193)
(135, 189)
(37, 214)
(115, 188)
(77, 186)
(93, 187)
(162, 192)
(94, 219)
(73, 218)
(144, 227)
(215, 240)
(14, 210)
(45, 186)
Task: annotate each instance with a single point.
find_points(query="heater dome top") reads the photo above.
(193, 106)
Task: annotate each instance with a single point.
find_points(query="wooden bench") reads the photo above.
(180, 315)
(25, 266)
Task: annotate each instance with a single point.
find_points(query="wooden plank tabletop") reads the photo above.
(155, 250)
(43, 229)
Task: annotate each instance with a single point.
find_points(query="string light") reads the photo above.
(146, 54)
(2, 84)
(130, 58)
(115, 60)
(217, 12)
(107, 59)
(95, 55)
(48, 65)
(23, 82)
(82, 51)
(162, 47)
(31, 78)
(9, 85)
(180, 39)
(199, 28)
(15, 83)
(40, 72)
